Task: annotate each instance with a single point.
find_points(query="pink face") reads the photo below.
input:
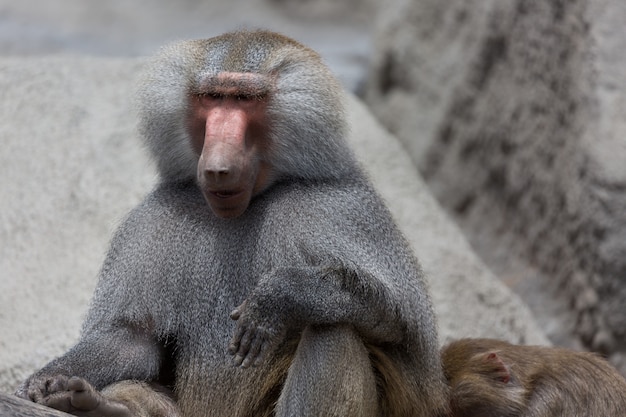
(228, 128)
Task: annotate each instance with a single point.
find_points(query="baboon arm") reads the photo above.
(329, 295)
(296, 298)
(101, 358)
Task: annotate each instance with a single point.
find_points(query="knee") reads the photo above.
(339, 345)
(330, 374)
(338, 358)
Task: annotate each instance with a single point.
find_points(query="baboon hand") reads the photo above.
(254, 336)
(71, 395)
(41, 387)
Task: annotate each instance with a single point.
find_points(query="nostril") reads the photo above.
(216, 173)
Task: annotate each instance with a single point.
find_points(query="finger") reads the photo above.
(244, 346)
(265, 347)
(246, 340)
(255, 348)
(233, 347)
(236, 313)
(59, 401)
(77, 384)
(35, 390)
(35, 394)
(84, 397)
(56, 384)
(238, 360)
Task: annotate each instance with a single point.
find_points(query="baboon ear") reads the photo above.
(497, 368)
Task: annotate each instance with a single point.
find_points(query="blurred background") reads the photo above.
(513, 111)
(340, 31)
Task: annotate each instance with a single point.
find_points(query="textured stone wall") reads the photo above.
(514, 111)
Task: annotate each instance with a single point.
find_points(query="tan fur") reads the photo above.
(495, 378)
(269, 390)
(395, 397)
(143, 399)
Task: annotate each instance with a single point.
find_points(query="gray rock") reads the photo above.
(11, 406)
(514, 113)
(72, 166)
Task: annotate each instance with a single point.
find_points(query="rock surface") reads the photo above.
(72, 166)
(11, 406)
(514, 112)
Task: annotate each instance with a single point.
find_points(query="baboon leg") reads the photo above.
(331, 375)
(142, 399)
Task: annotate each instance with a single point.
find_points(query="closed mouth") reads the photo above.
(223, 194)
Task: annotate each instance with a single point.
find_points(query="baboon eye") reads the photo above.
(244, 97)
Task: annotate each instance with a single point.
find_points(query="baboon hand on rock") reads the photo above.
(72, 395)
